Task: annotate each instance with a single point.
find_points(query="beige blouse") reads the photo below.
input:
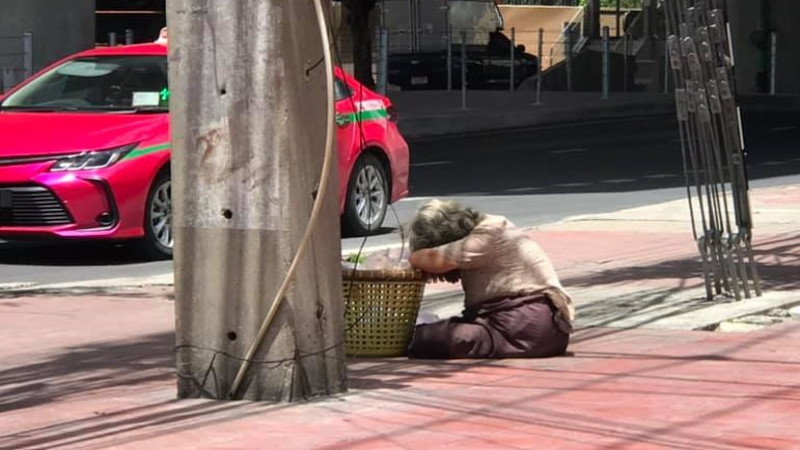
(497, 260)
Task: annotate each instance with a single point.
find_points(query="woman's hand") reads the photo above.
(453, 276)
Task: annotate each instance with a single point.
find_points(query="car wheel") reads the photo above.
(158, 237)
(367, 197)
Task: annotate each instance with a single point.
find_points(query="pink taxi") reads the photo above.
(85, 151)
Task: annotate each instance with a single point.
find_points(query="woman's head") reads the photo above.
(440, 222)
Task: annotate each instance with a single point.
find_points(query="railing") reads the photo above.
(16, 60)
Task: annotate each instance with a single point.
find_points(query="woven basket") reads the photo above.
(381, 308)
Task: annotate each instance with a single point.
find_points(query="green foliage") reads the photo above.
(356, 258)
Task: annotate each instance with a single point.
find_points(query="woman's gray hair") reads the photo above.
(440, 222)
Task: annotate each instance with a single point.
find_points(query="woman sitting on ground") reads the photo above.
(515, 305)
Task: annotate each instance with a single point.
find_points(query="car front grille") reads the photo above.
(31, 206)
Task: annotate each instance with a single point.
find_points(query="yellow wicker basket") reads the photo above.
(381, 308)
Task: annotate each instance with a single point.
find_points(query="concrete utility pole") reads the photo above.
(249, 122)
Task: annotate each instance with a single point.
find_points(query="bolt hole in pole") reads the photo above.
(227, 214)
(232, 335)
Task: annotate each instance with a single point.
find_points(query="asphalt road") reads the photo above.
(533, 176)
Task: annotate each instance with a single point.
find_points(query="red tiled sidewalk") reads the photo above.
(101, 375)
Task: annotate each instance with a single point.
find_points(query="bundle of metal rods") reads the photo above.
(701, 59)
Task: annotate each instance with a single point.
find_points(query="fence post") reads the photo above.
(568, 55)
(606, 64)
(773, 63)
(448, 38)
(463, 69)
(626, 51)
(27, 50)
(112, 39)
(539, 67)
(666, 70)
(513, 44)
(383, 59)
(128, 36)
(416, 25)
(449, 57)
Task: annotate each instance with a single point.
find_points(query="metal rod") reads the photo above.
(383, 60)
(606, 64)
(27, 50)
(128, 36)
(666, 72)
(463, 69)
(449, 49)
(112, 39)
(511, 62)
(539, 67)
(417, 28)
(568, 49)
(625, 52)
(773, 63)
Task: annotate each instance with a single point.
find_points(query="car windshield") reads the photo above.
(101, 83)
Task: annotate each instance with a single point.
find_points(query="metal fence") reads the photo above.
(16, 60)
(422, 31)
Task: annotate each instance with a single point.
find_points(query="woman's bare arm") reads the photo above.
(431, 261)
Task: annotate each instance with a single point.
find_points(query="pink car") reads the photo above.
(85, 151)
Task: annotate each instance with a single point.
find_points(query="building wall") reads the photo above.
(59, 27)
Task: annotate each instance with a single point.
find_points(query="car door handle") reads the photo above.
(343, 119)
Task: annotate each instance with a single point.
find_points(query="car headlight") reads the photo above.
(91, 160)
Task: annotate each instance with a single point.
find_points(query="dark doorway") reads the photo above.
(144, 19)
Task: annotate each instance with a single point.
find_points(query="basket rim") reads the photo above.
(383, 274)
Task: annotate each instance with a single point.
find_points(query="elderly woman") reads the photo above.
(515, 305)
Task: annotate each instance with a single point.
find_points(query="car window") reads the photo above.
(102, 82)
(341, 90)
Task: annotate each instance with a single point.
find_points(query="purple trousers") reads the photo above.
(517, 327)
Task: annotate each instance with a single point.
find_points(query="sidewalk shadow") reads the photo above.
(401, 373)
(93, 367)
(777, 262)
(134, 371)
(467, 400)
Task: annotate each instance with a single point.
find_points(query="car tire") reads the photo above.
(368, 186)
(158, 234)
